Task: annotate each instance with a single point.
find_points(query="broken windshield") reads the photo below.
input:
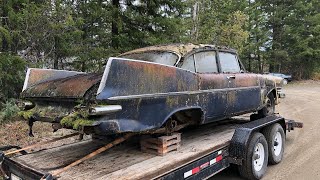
(166, 58)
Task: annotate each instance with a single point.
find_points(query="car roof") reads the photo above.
(180, 49)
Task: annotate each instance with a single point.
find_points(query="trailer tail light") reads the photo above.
(102, 110)
(203, 166)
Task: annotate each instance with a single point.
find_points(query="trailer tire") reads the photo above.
(255, 163)
(276, 141)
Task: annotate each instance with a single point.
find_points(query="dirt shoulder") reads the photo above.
(16, 133)
(302, 151)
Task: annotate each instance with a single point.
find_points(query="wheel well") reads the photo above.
(187, 116)
(274, 92)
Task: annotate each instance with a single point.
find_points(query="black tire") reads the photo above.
(269, 108)
(275, 144)
(247, 169)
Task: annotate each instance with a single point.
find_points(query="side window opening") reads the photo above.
(188, 64)
(206, 62)
(229, 62)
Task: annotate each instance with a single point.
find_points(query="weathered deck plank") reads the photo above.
(126, 161)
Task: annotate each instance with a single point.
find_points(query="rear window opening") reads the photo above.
(166, 58)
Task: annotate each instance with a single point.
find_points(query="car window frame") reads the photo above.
(195, 61)
(184, 59)
(192, 53)
(154, 51)
(241, 67)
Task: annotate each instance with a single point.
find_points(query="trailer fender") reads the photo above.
(242, 135)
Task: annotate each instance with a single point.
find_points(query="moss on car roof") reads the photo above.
(180, 49)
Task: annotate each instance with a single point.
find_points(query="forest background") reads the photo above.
(270, 36)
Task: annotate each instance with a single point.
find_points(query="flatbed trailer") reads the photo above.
(204, 152)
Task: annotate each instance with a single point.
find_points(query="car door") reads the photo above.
(244, 92)
(212, 85)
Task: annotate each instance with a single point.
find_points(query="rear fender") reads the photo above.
(126, 79)
(184, 109)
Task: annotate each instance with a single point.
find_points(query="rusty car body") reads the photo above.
(144, 90)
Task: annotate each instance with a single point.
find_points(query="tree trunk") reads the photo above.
(83, 66)
(4, 16)
(55, 57)
(259, 65)
(194, 32)
(115, 26)
(249, 61)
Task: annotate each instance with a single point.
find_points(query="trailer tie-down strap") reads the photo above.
(98, 151)
(40, 144)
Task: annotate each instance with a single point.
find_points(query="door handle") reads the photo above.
(231, 77)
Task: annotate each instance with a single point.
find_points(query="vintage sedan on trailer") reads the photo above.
(148, 90)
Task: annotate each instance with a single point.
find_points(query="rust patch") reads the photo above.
(153, 69)
(172, 101)
(36, 76)
(274, 79)
(213, 81)
(232, 98)
(246, 80)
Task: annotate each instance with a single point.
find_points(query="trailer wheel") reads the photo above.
(276, 140)
(255, 164)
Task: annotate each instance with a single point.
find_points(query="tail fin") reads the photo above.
(35, 76)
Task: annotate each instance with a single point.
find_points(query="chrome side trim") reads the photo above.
(179, 93)
(101, 110)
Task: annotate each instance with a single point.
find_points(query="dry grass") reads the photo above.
(316, 76)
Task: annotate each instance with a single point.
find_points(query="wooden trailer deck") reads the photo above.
(126, 161)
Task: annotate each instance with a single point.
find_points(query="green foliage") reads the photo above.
(11, 77)
(8, 111)
(218, 22)
(81, 35)
(76, 120)
(233, 32)
(5, 35)
(27, 114)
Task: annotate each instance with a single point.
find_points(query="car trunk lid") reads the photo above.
(60, 84)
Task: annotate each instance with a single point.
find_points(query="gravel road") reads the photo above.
(302, 151)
